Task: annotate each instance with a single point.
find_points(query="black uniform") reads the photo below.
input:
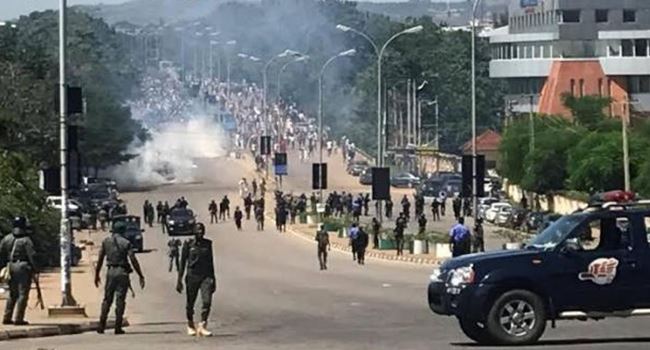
(238, 218)
(197, 258)
(17, 253)
(323, 240)
(361, 244)
(117, 251)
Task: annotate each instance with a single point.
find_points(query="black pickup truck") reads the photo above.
(592, 264)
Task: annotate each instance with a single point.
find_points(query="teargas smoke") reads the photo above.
(180, 132)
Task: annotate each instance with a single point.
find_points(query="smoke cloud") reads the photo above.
(169, 156)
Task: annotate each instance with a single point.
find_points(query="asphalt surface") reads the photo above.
(271, 294)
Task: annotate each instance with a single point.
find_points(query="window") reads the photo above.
(607, 234)
(573, 87)
(571, 16)
(629, 16)
(582, 87)
(628, 48)
(644, 84)
(640, 47)
(602, 16)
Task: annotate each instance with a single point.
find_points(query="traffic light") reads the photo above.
(380, 183)
(468, 176)
(265, 145)
(319, 176)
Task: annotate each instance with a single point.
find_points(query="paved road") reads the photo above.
(272, 296)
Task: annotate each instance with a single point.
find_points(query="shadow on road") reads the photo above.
(565, 342)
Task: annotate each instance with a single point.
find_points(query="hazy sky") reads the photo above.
(14, 8)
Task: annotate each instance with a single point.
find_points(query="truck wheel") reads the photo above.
(517, 317)
(474, 331)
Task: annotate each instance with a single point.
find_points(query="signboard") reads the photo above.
(320, 208)
(281, 164)
(529, 3)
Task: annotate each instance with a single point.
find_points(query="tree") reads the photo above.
(546, 167)
(20, 195)
(513, 150)
(596, 162)
(588, 111)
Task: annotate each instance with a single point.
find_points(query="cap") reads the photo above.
(20, 222)
(119, 227)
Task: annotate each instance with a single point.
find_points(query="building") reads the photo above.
(581, 47)
(487, 144)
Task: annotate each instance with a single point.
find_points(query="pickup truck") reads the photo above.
(592, 264)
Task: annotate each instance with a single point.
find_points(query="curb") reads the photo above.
(54, 330)
(375, 255)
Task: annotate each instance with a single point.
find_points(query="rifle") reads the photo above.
(39, 295)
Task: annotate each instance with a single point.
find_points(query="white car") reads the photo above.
(493, 211)
(503, 215)
(484, 204)
(55, 202)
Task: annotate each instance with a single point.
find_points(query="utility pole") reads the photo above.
(65, 236)
(531, 121)
(409, 111)
(625, 119)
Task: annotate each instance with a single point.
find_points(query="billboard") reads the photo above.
(529, 3)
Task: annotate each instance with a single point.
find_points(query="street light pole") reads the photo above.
(474, 167)
(531, 122)
(65, 237)
(347, 53)
(380, 128)
(284, 67)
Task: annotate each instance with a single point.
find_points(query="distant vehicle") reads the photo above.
(228, 122)
(517, 219)
(493, 211)
(133, 231)
(356, 167)
(484, 204)
(181, 222)
(453, 186)
(404, 180)
(366, 177)
(430, 189)
(55, 202)
(503, 215)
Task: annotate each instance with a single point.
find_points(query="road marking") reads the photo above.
(386, 285)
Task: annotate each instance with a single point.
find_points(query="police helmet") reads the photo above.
(119, 228)
(20, 222)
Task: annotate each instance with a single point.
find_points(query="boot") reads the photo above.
(191, 331)
(202, 332)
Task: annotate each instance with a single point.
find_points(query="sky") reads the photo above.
(10, 9)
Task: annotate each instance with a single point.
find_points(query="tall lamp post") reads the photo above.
(284, 67)
(65, 236)
(285, 53)
(229, 43)
(414, 30)
(474, 170)
(347, 53)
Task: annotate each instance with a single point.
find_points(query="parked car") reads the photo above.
(503, 216)
(366, 177)
(55, 202)
(453, 186)
(493, 211)
(133, 231)
(181, 222)
(356, 167)
(484, 204)
(404, 180)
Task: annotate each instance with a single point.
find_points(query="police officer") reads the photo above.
(17, 254)
(323, 242)
(460, 239)
(197, 258)
(117, 251)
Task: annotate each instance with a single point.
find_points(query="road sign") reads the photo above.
(280, 163)
(320, 208)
